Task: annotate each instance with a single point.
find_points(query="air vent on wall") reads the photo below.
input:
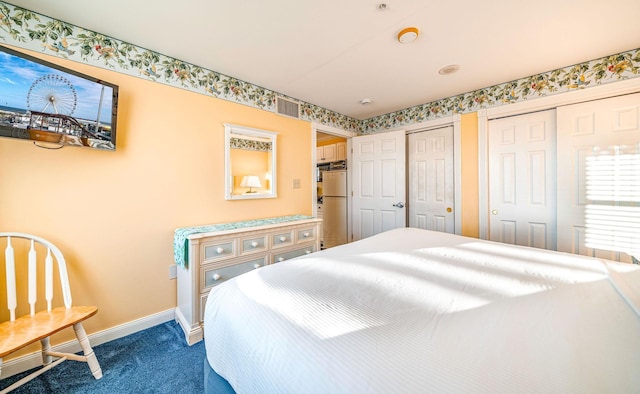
(287, 107)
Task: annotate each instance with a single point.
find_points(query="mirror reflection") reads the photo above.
(250, 164)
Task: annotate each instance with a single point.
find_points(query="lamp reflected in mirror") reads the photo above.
(250, 181)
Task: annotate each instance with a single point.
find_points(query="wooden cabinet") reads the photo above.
(217, 256)
(326, 153)
(319, 154)
(331, 152)
(341, 151)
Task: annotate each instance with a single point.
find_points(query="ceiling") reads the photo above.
(334, 53)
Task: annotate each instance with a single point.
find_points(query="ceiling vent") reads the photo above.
(287, 107)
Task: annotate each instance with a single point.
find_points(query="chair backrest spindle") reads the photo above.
(48, 264)
(33, 289)
(11, 279)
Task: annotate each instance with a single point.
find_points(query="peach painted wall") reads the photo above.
(469, 154)
(113, 214)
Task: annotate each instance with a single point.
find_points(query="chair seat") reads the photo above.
(28, 329)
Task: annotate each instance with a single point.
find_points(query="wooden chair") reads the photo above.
(22, 331)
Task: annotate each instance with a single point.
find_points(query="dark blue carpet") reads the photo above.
(155, 360)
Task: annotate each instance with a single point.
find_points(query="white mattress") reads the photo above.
(411, 311)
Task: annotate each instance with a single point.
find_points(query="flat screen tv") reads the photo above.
(54, 106)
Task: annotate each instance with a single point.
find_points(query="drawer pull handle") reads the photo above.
(280, 258)
(254, 244)
(216, 277)
(282, 239)
(307, 251)
(306, 235)
(220, 250)
(256, 266)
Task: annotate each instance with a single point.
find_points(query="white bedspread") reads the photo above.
(414, 311)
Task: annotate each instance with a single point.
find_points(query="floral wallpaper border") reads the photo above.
(30, 30)
(612, 68)
(244, 144)
(36, 32)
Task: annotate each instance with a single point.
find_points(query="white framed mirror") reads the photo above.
(250, 163)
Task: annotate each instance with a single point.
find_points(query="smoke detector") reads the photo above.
(408, 34)
(365, 101)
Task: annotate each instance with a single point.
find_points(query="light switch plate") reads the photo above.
(296, 183)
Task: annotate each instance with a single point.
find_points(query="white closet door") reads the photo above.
(589, 134)
(431, 186)
(379, 183)
(522, 180)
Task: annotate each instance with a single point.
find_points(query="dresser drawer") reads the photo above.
(253, 245)
(281, 239)
(279, 257)
(212, 276)
(218, 250)
(306, 234)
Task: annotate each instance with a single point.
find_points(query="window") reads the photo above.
(613, 212)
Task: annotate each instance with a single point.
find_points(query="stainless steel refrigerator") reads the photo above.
(334, 207)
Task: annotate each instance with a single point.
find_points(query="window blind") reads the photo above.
(612, 215)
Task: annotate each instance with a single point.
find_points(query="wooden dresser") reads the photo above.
(213, 254)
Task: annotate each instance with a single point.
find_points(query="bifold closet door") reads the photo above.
(522, 179)
(599, 177)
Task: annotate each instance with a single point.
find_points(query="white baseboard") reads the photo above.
(33, 360)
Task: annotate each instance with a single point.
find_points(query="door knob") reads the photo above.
(494, 212)
(449, 209)
(399, 204)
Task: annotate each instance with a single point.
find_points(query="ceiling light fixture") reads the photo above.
(450, 69)
(408, 34)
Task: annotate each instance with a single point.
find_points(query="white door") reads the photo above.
(431, 199)
(522, 180)
(598, 177)
(378, 183)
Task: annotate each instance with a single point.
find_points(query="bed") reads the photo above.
(412, 310)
